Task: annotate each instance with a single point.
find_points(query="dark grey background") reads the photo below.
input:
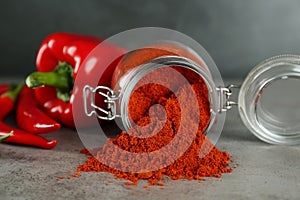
(237, 33)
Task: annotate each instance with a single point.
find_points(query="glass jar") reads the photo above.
(262, 86)
(268, 100)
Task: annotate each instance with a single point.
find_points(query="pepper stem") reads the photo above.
(61, 78)
(38, 79)
(14, 92)
(2, 138)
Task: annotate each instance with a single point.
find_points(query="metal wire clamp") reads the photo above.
(225, 97)
(90, 106)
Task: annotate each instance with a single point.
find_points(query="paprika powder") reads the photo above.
(152, 130)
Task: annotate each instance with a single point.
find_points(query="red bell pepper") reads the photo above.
(13, 135)
(58, 61)
(29, 117)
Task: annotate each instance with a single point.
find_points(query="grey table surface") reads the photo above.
(265, 172)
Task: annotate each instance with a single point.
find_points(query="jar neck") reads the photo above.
(127, 84)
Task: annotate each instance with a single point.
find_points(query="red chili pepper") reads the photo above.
(2, 138)
(7, 100)
(58, 62)
(24, 138)
(4, 88)
(30, 118)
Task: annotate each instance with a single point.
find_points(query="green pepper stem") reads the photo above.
(38, 79)
(61, 78)
(6, 136)
(14, 92)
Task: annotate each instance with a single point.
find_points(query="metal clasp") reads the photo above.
(225, 103)
(110, 100)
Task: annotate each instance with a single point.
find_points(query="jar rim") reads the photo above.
(138, 73)
(261, 123)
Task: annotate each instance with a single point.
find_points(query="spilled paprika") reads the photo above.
(201, 159)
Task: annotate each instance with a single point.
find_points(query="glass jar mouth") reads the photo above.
(138, 73)
(269, 83)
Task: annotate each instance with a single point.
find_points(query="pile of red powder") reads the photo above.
(190, 165)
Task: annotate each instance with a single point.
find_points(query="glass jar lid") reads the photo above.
(269, 100)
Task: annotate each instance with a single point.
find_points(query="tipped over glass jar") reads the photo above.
(267, 100)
